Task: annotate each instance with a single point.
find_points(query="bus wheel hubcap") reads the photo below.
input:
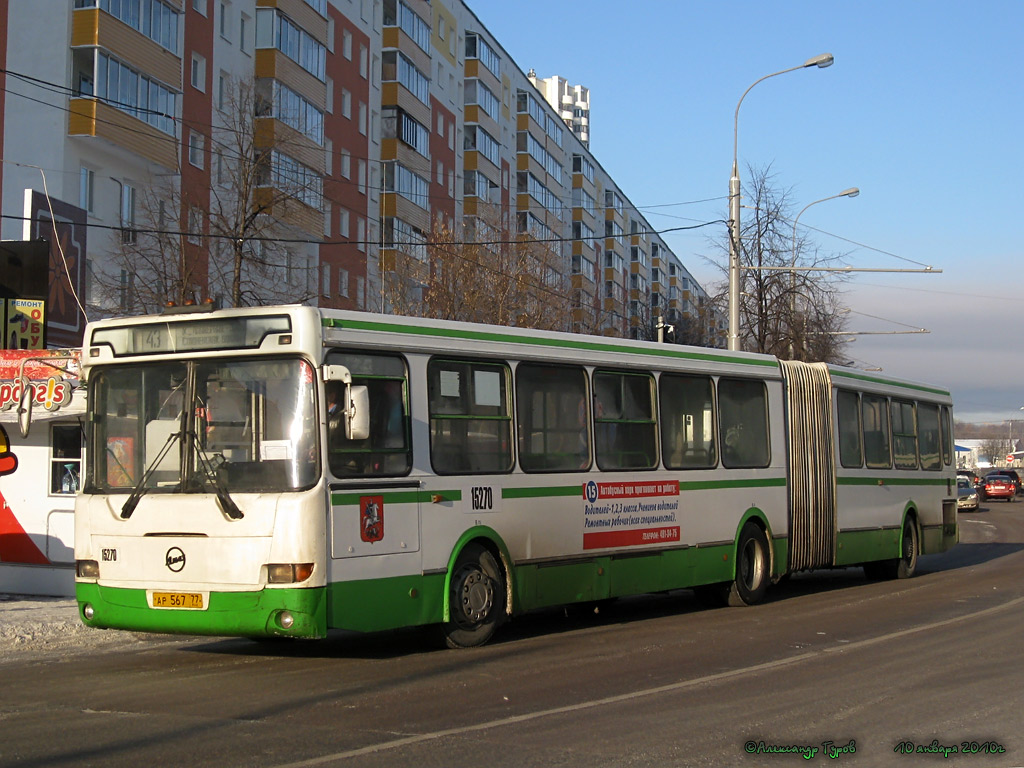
(476, 596)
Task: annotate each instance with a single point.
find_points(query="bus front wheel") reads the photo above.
(476, 598)
(753, 567)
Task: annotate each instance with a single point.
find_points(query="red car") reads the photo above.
(998, 487)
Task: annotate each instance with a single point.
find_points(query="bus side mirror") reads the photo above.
(355, 406)
(357, 415)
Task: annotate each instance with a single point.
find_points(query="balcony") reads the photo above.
(92, 117)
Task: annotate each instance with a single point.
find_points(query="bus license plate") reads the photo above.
(191, 600)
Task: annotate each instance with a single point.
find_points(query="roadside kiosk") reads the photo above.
(42, 408)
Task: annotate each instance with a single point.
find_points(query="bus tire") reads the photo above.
(906, 565)
(476, 598)
(902, 567)
(753, 567)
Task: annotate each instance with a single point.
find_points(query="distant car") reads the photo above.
(967, 495)
(1011, 473)
(998, 487)
(971, 475)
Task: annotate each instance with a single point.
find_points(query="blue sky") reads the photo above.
(922, 111)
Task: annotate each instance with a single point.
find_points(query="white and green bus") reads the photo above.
(285, 471)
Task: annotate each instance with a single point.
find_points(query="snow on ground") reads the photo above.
(42, 627)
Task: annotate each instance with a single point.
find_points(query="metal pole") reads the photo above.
(852, 192)
(822, 61)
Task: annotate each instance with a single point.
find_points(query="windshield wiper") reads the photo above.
(224, 501)
(140, 488)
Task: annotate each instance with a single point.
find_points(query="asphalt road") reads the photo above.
(844, 671)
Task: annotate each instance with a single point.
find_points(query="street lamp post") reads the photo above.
(851, 192)
(822, 61)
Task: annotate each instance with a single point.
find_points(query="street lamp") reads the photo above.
(822, 61)
(851, 192)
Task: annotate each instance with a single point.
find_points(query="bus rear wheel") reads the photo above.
(753, 567)
(904, 566)
(476, 598)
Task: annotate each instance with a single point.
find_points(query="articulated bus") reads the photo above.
(285, 471)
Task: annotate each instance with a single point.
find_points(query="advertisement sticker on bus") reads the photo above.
(630, 514)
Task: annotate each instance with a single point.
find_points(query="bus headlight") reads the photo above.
(88, 611)
(87, 569)
(288, 573)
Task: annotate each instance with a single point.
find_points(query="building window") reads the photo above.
(343, 283)
(362, 118)
(195, 226)
(346, 104)
(87, 180)
(65, 459)
(225, 21)
(346, 164)
(198, 72)
(199, 6)
(195, 149)
(346, 44)
(135, 94)
(243, 33)
(128, 233)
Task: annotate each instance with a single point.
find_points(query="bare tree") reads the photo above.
(242, 243)
(480, 272)
(789, 313)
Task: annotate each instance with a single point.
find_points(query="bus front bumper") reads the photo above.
(263, 613)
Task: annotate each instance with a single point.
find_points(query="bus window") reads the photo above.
(66, 458)
(930, 441)
(947, 436)
(904, 435)
(131, 430)
(848, 418)
(743, 423)
(387, 451)
(875, 415)
(470, 418)
(624, 426)
(553, 418)
(687, 422)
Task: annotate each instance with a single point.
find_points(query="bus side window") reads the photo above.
(875, 421)
(743, 423)
(387, 451)
(624, 426)
(470, 417)
(848, 416)
(929, 440)
(687, 421)
(552, 418)
(904, 435)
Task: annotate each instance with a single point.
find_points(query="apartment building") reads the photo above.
(572, 102)
(354, 129)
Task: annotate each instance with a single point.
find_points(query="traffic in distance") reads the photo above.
(1001, 483)
(285, 471)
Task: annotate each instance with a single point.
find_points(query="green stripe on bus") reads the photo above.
(889, 382)
(394, 497)
(498, 336)
(892, 480)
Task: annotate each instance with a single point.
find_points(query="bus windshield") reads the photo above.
(197, 426)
